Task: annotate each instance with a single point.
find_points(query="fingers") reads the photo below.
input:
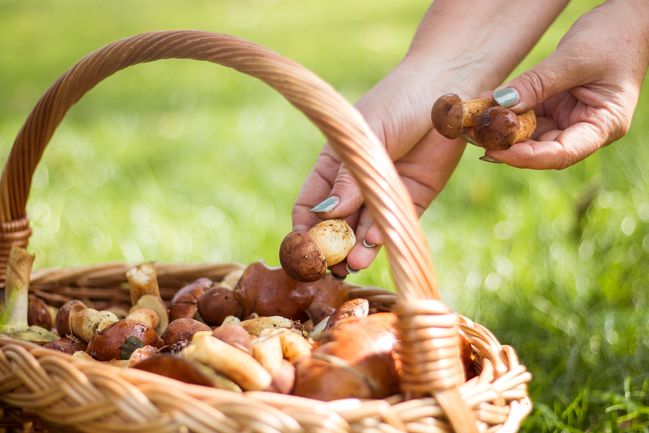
(555, 149)
(555, 74)
(344, 199)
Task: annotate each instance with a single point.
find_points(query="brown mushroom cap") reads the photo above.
(302, 258)
(185, 301)
(496, 128)
(63, 322)
(183, 329)
(271, 292)
(447, 115)
(37, 313)
(218, 303)
(235, 336)
(66, 345)
(120, 339)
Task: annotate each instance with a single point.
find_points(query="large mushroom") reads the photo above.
(305, 256)
(355, 359)
(271, 292)
(498, 128)
(452, 116)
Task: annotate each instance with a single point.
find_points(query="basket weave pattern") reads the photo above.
(67, 393)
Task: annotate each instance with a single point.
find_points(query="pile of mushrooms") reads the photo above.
(255, 330)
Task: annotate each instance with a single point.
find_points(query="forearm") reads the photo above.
(480, 41)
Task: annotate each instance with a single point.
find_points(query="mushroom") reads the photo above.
(141, 354)
(257, 325)
(271, 292)
(305, 256)
(185, 370)
(268, 352)
(235, 364)
(218, 303)
(68, 345)
(15, 313)
(148, 308)
(185, 301)
(354, 360)
(74, 318)
(121, 339)
(355, 308)
(498, 128)
(283, 378)
(38, 314)
(294, 346)
(452, 117)
(235, 336)
(183, 329)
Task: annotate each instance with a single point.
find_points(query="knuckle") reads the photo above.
(534, 82)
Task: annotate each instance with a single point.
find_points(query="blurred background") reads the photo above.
(181, 161)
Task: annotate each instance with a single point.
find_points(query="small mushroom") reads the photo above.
(305, 256)
(148, 307)
(66, 345)
(38, 314)
(235, 336)
(257, 325)
(183, 329)
(218, 303)
(283, 378)
(355, 308)
(498, 128)
(141, 354)
(268, 352)
(185, 301)
(74, 318)
(452, 117)
(121, 339)
(235, 364)
(185, 370)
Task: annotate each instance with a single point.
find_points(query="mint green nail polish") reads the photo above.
(326, 205)
(506, 97)
(487, 158)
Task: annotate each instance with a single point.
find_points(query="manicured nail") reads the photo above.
(368, 244)
(338, 277)
(506, 97)
(326, 205)
(350, 270)
(487, 158)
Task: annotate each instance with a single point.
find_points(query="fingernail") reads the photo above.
(350, 270)
(338, 277)
(368, 244)
(326, 205)
(487, 158)
(506, 97)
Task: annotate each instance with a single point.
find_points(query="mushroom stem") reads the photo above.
(143, 281)
(242, 368)
(19, 269)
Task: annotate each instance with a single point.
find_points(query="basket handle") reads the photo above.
(384, 193)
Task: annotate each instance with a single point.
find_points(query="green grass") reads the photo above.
(183, 161)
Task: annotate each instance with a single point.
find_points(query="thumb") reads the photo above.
(345, 197)
(557, 73)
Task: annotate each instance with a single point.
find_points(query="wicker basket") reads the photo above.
(42, 389)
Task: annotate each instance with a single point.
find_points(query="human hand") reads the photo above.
(494, 38)
(397, 111)
(584, 93)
